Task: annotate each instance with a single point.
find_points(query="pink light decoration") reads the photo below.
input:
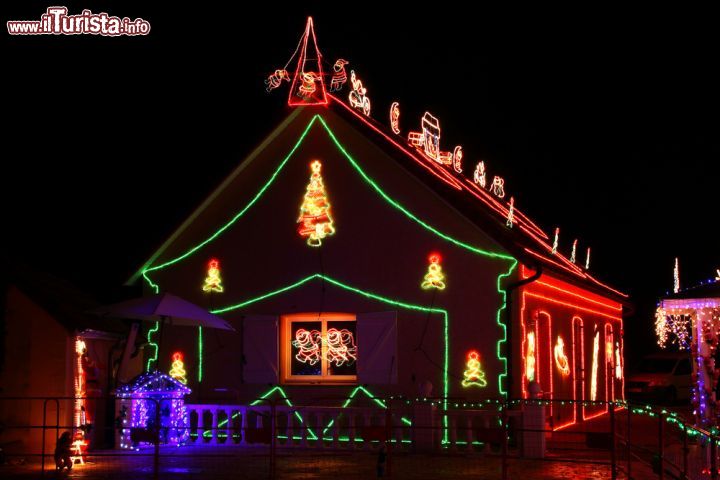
(273, 81)
(431, 136)
(587, 259)
(395, 117)
(556, 240)
(498, 187)
(676, 276)
(561, 360)
(574, 251)
(308, 343)
(341, 347)
(479, 175)
(432, 167)
(339, 77)
(530, 357)
(303, 90)
(594, 372)
(511, 213)
(307, 88)
(457, 159)
(429, 140)
(358, 96)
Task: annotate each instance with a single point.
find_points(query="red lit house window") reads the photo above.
(318, 348)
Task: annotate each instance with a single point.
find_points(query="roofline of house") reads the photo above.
(493, 225)
(215, 193)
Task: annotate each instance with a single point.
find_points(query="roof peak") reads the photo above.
(307, 86)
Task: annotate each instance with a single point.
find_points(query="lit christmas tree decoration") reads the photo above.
(511, 213)
(594, 373)
(556, 240)
(315, 219)
(676, 276)
(587, 259)
(339, 77)
(479, 175)
(213, 282)
(395, 118)
(434, 278)
(530, 357)
(574, 251)
(473, 374)
(561, 360)
(177, 370)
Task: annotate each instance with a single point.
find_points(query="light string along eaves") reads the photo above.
(271, 180)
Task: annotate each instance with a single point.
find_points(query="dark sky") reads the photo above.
(602, 122)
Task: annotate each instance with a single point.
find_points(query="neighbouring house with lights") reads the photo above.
(690, 319)
(352, 248)
(51, 348)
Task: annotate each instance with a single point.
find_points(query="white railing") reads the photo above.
(346, 428)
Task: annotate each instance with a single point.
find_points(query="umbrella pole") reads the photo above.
(160, 338)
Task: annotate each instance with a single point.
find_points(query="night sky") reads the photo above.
(602, 122)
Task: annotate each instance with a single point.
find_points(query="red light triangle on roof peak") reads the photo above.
(308, 83)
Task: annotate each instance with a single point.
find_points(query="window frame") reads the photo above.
(286, 351)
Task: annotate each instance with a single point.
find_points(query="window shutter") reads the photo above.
(260, 349)
(377, 348)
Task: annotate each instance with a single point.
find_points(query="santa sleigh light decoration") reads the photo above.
(429, 141)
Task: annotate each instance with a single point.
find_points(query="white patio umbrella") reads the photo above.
(165, 308)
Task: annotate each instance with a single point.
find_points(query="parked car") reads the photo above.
(661, 378)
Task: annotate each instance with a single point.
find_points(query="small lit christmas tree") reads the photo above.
(474, 376)
(315, 220)
(213, 282)
(178, 368)
(434, 278)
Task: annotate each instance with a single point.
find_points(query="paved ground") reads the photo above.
(569, 458)
(189, 463)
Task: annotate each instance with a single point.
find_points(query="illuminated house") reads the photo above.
(691, 319)
(50, 347)
(348, 250)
